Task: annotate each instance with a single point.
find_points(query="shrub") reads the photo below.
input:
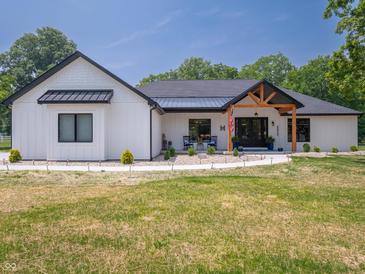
(235, 152)
(354, 148)
(14, 156)
(211, 150)
(306, 148)
(172, 152)
(334, 150)
(240, 148)
(167, 155)
(316, 149)
(191, 151)
(127, 157)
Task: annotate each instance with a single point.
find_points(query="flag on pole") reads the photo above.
(231, 122)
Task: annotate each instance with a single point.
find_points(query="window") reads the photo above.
(75, 128)
(303, 130)
(199, 129)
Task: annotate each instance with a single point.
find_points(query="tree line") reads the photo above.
(337, 78)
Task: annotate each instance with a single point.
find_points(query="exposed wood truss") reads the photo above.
(260, 101)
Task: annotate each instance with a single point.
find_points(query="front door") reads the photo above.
(252, 132)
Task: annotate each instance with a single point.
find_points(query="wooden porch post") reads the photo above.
(229, 111)
(294, 129)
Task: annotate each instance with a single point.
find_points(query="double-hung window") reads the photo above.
(303, 130)
(75, 128)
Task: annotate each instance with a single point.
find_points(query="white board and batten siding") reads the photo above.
(122, 124)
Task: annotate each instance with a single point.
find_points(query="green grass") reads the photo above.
(306, 217)
(5, 145)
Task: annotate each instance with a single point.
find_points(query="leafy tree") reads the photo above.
(34, 53)
(6, 85)
(194, 68)
(274, 68)
(310, 78)
(346, 75)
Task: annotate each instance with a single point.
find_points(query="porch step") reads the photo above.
(255, 149)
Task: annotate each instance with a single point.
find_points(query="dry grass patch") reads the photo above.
(304, 217)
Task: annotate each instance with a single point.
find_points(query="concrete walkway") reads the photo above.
(268, 160)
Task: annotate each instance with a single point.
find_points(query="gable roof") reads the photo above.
(20, 92)
(216, 95)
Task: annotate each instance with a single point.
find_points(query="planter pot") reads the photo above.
(270, 146)
(235, 145)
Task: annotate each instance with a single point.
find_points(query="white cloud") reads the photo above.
(147, 32)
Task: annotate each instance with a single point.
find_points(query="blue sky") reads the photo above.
(136, 38)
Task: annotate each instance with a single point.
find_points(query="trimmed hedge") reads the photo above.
(306, 147)
(127, 157)
(14, 156)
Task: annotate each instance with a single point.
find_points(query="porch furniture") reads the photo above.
(213, 142)
(187, 142)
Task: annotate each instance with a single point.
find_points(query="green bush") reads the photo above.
(211, 150)
(127, 157)
(191, 151)
(354, 148)
(317, 149)
(306, 148)
(167, 155)
(14, 156)
(172, 152)
(235, 152)
(334, 150)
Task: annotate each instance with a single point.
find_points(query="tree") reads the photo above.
(194, 68)
(34, 53)
(346, 75)
(6, 85)
(310, 78)
(274, 68)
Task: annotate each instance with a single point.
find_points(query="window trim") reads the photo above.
(289, 133)
(75, 127)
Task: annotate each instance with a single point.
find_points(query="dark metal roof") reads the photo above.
(197, 88)
(216, 95)
(315, 106)
(192, 102)
(77, 96)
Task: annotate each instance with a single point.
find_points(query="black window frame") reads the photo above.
(210, 127)
(75, 127)
(298, 125)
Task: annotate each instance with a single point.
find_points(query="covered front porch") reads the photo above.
(252, 119)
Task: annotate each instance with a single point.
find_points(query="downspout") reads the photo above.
(151, 109)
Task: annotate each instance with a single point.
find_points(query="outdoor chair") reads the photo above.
(187, 142)
(213, 142)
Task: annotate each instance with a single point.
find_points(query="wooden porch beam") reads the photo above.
(254, 97)
(294, 129)
(272, 94)
(229, 112)
(284, 110)
(262, 92)
(264, 105)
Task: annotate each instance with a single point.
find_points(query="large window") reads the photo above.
(75, 128)
(303, 130)
(199, 129)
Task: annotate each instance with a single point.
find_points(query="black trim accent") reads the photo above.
(75, 128)
(196, 110)
(266, 83)
(20, 92)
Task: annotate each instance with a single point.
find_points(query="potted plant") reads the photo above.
(235, 141)
(270, 142)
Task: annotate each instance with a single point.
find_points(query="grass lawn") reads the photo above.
(308, 216)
